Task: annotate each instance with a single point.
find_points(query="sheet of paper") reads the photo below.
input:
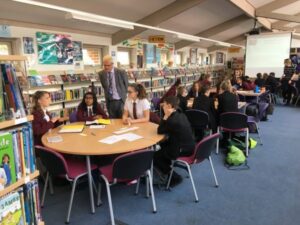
(91, 122)
(130, 136)
(125, 129)
(111, 139)
(97, 126)
(54, 139)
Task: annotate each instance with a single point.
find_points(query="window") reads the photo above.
(123, 57)
(5, 48)
(92, 56)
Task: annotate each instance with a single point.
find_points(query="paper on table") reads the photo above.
(124, 130)
(54, 139)
(111, 139)
(98, 121)
(130, 136)
(97, 126)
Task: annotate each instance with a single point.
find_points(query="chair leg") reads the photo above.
(192, 180)
(111, 212)
(147, 187)
(297, 100)
(71, 200)
(218, 142)
(152, 191)
(99, 202)
(213, 170)
(247, 142)
(137, 186)
(170, 176)
(258, 132)
(45, 189)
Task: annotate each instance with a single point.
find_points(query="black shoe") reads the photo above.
(175, 180)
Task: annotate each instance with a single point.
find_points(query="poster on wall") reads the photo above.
(193, 55)
(54, 48)
(150, 55)
(220, 58)
(158, 55)
(77, 53)
(28, 45)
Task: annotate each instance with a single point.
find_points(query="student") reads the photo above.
(42, 120)
(172, 90)
(89, 109)
(206, 80)
(182, 96)
(205, 103)
(238, 85)
(180, 140)
(227, 101)
(287, 90)
(259, 80)
(271, 83)
(247, 84)
(137, 107)
(195, 90)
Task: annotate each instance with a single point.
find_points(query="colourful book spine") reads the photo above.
(17, 156)
(22, 152)
(7, 157)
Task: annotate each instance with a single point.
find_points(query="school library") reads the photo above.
(140, 112)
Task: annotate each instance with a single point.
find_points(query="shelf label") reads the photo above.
(26, 179)
(21, 120)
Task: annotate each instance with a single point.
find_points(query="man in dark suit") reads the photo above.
(114, 82)
(180, 140)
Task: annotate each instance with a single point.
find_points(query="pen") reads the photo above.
(93, 134)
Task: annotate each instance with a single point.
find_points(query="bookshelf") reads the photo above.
(19, 183)
(15, 122)
(8, 58)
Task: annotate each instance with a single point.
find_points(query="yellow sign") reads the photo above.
(156, 39)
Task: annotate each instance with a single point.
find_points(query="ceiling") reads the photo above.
(216, 19)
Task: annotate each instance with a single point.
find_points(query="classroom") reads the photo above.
(135, 112)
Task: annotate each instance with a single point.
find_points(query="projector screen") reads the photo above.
(265, 53)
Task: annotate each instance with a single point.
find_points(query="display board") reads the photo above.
(265, 53)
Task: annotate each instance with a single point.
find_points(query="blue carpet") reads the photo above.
(267, 194)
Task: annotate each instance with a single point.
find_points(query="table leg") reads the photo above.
(88, 165)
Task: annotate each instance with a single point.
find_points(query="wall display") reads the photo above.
(220, 58)
(193, 55)
(77, 53)
(28, 45)
(150, 53)
(156, 39)
(54, 48)
(5, 31)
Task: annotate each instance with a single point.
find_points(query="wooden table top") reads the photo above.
(87, 142)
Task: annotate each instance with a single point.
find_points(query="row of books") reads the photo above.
(75, 93)
(156, 94)
(11, 100)
(43, 80)
(22, 206)
(17, 154)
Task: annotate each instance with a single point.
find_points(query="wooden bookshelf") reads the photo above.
(10, 123)
(19, 183)
(13, 58)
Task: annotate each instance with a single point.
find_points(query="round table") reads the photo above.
(87, 142)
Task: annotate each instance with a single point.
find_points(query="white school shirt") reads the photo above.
(141, 106)
(46, 117)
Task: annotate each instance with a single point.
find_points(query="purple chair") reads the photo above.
(253, 121)
(202, 151)
(127, 168)
(65, 167)
(234, 122)
(73, 117)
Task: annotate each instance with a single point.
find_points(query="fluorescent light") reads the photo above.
(100, 19)
(220, 43)
(187, 37)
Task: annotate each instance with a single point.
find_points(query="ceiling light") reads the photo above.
(220, 43)
(188, 37)
(100, 19)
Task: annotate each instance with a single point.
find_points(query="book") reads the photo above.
(72, 128)
(98, 121)
(7, 158)
(11, 210)
(2, 108)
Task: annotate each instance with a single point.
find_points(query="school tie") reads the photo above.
(134, 111)
(110, 87)
(90, 112)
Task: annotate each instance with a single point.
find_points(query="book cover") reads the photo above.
(11, 210)
(2, 108)
(7, 158)
(72, 128)
(18, 166)
(64, 78)
(52, 79)
(45, 80)
(58, 79)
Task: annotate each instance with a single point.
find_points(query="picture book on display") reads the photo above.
(11, 210)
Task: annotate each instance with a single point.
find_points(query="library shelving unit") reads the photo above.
(66, 88)
(26, 177)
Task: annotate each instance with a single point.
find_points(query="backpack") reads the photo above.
(239, 142)
(235, 156)
(252, 109)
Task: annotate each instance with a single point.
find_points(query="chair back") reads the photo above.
(154, 118)
(73, 117)
(53, 161)
(155, 102)
(197, 118)
(132, 165)
(204, 147)
(233, 120)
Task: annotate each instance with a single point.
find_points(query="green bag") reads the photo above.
(235, 156)
(240, 143)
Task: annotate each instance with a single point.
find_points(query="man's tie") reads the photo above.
(110, 88)
(134, 111)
